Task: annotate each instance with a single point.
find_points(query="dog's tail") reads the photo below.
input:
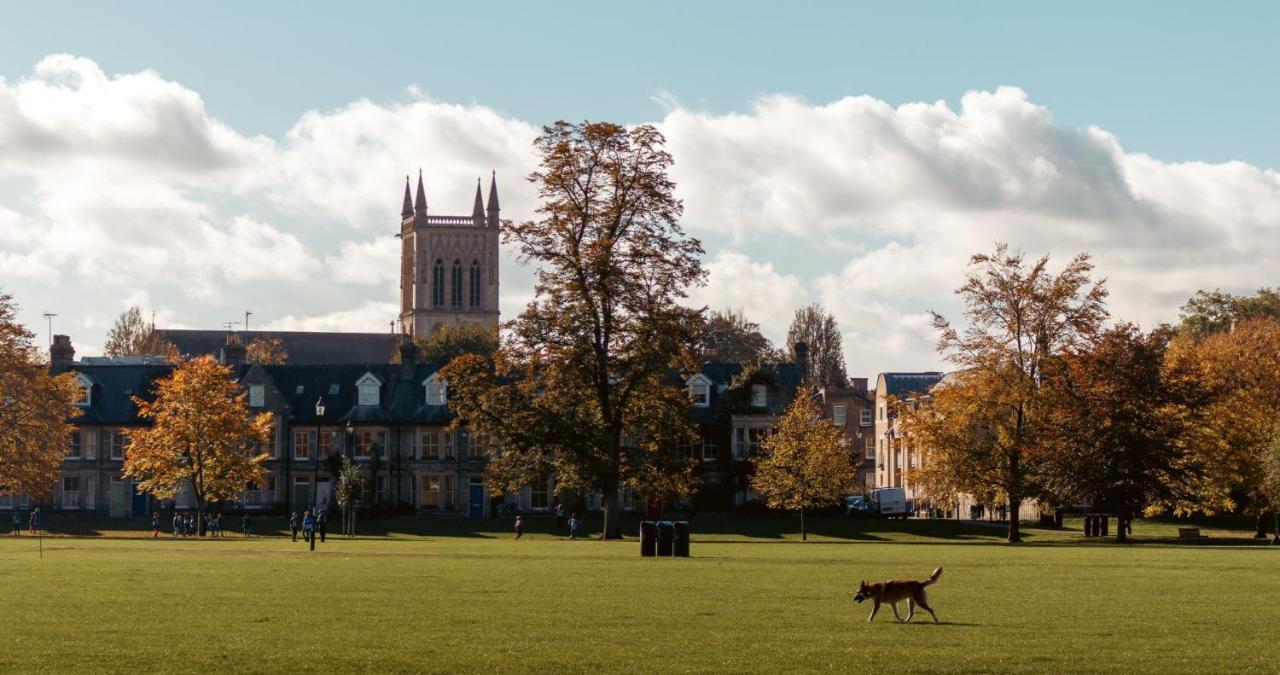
(933, 578)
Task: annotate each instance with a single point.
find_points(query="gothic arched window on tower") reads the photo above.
(437, 284)
(474, 286)
(455, 286)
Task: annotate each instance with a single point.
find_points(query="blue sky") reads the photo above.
(203, 160)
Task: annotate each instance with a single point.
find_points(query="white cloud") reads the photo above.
(110, 183)
(765, 295)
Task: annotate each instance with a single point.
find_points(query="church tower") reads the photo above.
(449, 264)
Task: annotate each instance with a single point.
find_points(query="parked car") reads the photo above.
(890, 502)
(857, 505)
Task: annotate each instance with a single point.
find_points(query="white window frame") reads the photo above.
(309, 438)
(700, 391)
(864, 417)
(257, 395)
(839, 415)
(89, 443)
(75, 442)
(86, 387)
(436, 390)
(368, 390)
(70, 498)
(759, 396)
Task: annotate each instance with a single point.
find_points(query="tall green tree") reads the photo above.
(131, 335)
(1214, 312)
(1117, 427)
(733, 338)
(454, 340)
(34, 409)
(805, 464)
(984, 429)
(817, 328)
(584, 385)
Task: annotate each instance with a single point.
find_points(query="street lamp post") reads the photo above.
(315, 467)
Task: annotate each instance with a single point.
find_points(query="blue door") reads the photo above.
(475, 501)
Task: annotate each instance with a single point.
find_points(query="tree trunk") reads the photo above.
(612, 510)
(1261, 526)
(1122, 519)
(804, 534)
(1015, 505)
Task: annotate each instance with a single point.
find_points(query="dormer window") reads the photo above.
(257, 395)
(759, 396)
(368, 388)
(86, 391)
(437, 390)
(700, 391)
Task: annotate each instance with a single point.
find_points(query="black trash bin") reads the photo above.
(681, 546)
(666, 538)
(648, 539)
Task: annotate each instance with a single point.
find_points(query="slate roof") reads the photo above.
(897, 384)
(304, 348)
(113, 389)
(402, 398)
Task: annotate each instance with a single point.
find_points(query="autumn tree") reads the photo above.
(1234, 423)
(805, 463)
(733, 338)
(1117, 427)
(266, 351)
(986, 428)
(34, 409)
(816, 327)
(133, 336)
(584, 385)
(453, 340)
(201, 437)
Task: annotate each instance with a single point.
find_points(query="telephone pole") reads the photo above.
(49, 316)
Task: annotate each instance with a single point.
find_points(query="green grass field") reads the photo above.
(456, 595)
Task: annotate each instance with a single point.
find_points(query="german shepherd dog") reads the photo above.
(894, 591)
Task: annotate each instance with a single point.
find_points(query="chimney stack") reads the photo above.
(802, 359)
(859, 385)
(61, 354)
(408, 355)
(234, 352)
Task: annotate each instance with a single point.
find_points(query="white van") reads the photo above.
(890, 502)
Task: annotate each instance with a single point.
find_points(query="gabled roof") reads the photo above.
(111, 400)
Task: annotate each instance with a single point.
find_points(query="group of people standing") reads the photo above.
(575, 523)
(33, 521)
(187, 525)
(312, 525)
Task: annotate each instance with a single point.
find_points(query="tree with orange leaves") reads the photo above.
(201, 437)
(34, 408)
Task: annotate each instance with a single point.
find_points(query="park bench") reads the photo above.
(1190, 533)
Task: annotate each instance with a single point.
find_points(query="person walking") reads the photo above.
(519, 527)
(309, 528)
(33, 523)
(293, 524)
(177, 524)
(247, 525)
(574, 524)
(322, 523)
(155, 524)
(17, 523)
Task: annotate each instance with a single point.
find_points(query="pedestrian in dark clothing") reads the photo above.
(519, 527)
(574, 524)
(17, 523)
(246, 525)
(155, 524)
(308, 527)
(34, 521)
(322, 524)
(293, 524)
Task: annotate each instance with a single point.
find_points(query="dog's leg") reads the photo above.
(926, 607)
(911, 609)
(894, 605)
(874, 608)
